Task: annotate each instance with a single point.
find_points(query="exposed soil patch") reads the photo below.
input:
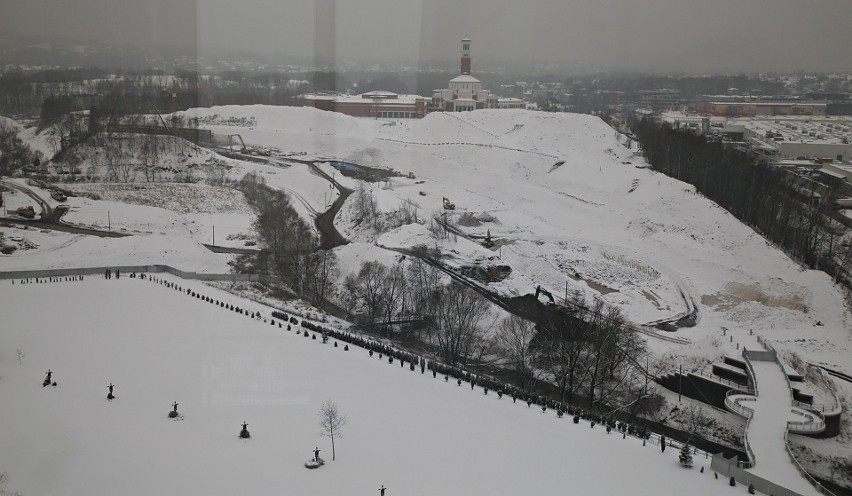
(600, 288)
(493, 273)
(736, 293)
(468, 219)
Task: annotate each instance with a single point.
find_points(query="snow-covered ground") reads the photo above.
(565, 200)
(409, 432)
(569, 202)
(167, 224)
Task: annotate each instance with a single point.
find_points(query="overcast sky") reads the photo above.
(652, 35)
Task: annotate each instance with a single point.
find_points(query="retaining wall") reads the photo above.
(128, 269)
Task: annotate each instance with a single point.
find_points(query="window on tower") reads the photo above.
(466, 46)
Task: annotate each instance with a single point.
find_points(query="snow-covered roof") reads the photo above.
(372, 98)
(379, 93)
(464, 78)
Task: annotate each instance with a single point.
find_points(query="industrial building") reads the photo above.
(754, 109)
(782, 138)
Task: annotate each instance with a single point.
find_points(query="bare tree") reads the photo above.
(331, 422)
(367, 288)
(458, 312)
(561, 348)
(696, 420)
(392, 289)
(512, 340)
(324, 273)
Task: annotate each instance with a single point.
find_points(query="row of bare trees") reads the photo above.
(453, 318)
(589, 351)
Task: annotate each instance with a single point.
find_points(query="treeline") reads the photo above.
(14, 153)
(799, 219)
(51, 94)
(451, 318)
(291, 245)
(588, 352)
(690, 86)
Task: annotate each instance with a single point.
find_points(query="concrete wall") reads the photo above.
(760, 356)
(127, 269)
(697, 387)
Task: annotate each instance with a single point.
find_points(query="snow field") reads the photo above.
(649, 237)
(410, 432)
(168, 224)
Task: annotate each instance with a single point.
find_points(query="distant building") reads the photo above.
(800, 138)
(465, 92)
(660, 98)
(375, 104)
(731, 109)
(703, 103)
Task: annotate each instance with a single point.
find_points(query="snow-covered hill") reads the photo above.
(571, 202)
(412, 433)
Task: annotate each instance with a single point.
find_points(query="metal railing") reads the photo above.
(813, 426)
(720, 379)
(751, 374)
(734, 405)
(819, 487)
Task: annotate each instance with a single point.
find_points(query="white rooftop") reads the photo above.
(372, 98)
(465, 78)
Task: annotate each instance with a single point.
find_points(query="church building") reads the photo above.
(465, 92)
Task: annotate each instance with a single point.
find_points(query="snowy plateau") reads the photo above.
(567, 200)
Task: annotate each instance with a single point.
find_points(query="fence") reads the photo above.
(815, 424)
(805, 474)
(729, 468)
(88, 271)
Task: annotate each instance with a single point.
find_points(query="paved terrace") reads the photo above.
(766, 432)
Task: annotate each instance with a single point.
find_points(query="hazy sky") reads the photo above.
(669, 35)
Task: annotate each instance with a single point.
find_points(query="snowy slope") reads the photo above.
(167, 224)
(569, 204)
(412, 433)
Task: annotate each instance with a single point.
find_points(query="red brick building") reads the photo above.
(375, 104)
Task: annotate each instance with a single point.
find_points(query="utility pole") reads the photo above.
(109, 222)
(679, 383)
(214, 235)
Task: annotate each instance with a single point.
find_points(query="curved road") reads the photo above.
(51, 218)
(330, 237)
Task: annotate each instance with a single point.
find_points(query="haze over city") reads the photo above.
(636, 35)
